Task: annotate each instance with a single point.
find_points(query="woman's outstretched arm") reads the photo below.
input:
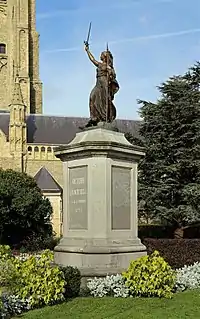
(90, 56)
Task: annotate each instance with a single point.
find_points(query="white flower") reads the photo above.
(188, 277)
(113, 285)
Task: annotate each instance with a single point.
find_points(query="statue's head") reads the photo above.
(107, 55)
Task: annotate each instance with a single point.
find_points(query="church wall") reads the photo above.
(37, 157)
(6, 159)
(4, 79)
(41, 155)
(21, 55)
(56, 203)
(19, 59)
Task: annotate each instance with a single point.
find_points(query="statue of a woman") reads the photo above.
(101, 99)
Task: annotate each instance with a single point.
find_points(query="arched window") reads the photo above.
(42, 149)
(2, 48)
(49, 149)
(29, 149)
(36, 149)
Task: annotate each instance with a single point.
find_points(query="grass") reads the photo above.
(181, 306)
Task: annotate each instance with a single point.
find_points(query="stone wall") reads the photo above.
(43, 155)
(18, 34)
(4, 35)
(56, 203)
(37, 157)
(6, 159)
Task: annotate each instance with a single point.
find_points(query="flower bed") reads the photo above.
(31, 281)
(148, 276)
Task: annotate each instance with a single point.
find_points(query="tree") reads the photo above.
(23, 210)
(169, 179)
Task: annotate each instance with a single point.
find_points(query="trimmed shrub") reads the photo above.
(176, 252)
(192, 232)
(113, 285)
(166, 231)
(39, 281)
(188, 277)
(72, 281)
(155, 231)
(150, 276)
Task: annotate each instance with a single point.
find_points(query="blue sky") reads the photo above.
(150, 40)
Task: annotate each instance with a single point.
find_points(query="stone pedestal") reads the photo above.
(100, 231)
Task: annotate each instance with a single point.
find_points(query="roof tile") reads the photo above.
(55, 130)
(46, 182)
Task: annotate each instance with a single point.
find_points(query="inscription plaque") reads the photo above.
(121, 198)
(77, 198)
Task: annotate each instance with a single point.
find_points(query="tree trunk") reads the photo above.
(179, 233)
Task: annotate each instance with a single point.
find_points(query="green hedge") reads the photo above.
(160, 231)
(175, 251)
(155, 231)
(73, 281)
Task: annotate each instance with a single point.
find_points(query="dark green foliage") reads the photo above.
(84, 292)
(35, 243)
(169, 175)
(160, 231)
(134, 140)
(176, 252)
(155, 231)
(73, 281)
(23, 210)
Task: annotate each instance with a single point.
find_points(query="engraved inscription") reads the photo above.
(121, 198)
(78, 197)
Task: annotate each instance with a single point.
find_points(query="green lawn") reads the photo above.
(183, 305)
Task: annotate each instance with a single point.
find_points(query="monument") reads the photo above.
(100, 230)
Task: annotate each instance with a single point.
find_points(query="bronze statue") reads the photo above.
(101, 98)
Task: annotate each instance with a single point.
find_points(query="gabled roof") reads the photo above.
(59, 130)
(46, 182)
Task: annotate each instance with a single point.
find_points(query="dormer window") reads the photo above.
(2, 48)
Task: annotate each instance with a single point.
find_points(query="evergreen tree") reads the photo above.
(23, 210)
(169, 178)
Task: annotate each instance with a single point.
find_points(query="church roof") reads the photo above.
(58, 130)
(46, 182)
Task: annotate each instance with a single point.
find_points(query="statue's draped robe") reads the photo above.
(102, 108)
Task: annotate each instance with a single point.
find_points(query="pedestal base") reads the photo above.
(98, 257)
(99, 203)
